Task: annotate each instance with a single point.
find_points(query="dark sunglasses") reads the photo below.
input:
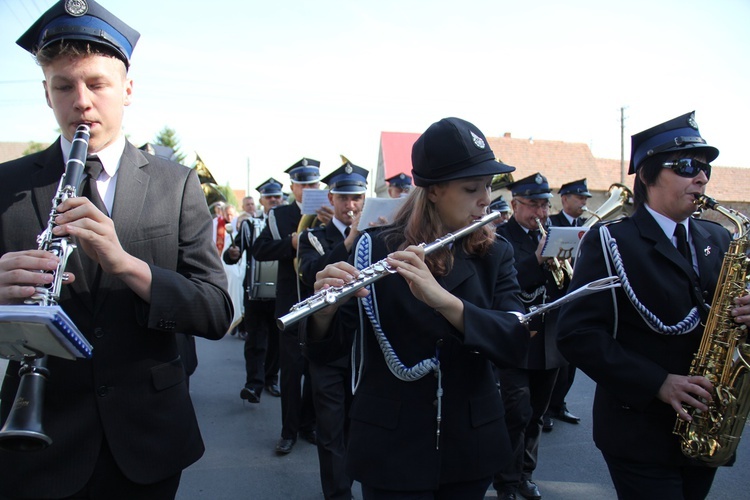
(688, 167)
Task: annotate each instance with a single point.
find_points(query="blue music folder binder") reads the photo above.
(27, 330)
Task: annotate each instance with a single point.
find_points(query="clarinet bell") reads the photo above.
(23, 428)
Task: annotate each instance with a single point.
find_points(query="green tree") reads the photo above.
(228, 193)
(34, 147)
(168, 137)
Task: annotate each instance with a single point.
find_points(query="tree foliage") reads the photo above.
(168, 137)
(33, 147)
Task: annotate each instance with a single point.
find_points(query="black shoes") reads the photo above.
(309, 436)
(547, 423)
(250, 395)
(566, 416)
(529, 490)
(273, 390)
(284, 446)
(506, 493)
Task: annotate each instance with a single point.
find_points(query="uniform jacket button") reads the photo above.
(98, 332)
(102, 390)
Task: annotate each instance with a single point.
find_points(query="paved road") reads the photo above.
(240, 462)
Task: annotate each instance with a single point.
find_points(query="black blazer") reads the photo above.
(543, 352)
(630, 368)
(559, 219)
(285, 219)
(133, 390)
(310, 260)
(392, 434)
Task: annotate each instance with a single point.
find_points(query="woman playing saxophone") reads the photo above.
(638, 343)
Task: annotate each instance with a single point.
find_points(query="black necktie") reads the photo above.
(534, 235)
(682, 243)
(347, 231)
(90, 191)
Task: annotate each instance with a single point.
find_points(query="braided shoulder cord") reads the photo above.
(685, 326)
(363, 258)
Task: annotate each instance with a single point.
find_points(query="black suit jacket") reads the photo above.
(285, 220)
(310, 260)
(559, 219)
(543, 352)
(630, 368)
(133, 391)
(392, 434)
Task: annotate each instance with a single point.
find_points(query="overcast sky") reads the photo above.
(266, 83)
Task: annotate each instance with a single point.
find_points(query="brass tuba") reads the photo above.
(723, 358)
(620, 197)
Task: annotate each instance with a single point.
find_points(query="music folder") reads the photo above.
(27, 330)
(562, 242)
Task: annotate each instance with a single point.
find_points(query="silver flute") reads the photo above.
(368, 275)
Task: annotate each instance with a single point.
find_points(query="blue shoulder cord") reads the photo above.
(609, 247)
(363, 258)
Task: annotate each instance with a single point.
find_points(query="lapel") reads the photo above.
(333, 235)
(520, 237)
(708, 254)
(651, 230)
(130, 195)
(461, 270)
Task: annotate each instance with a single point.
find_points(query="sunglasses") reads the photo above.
(688, 167)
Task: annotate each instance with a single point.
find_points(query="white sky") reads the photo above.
(267, 83)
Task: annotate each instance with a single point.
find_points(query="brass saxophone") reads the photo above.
(723, 358)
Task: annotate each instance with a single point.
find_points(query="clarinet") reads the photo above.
(62, 247)
(369, 275)
(23, 429)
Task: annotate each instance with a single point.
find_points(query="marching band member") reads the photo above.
(527, 386)
(331, 380)
(638, 341)
(426, 417)
(122, 423)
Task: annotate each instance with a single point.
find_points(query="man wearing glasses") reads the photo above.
(526, 389)
(637, 343)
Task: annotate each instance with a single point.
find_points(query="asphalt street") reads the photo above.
(240, 461)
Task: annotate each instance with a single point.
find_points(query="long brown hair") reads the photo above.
(418, 222)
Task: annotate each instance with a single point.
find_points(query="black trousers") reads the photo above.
(565, 379)
(646, 481)
(297, 413)
(526, 395)
(469, 490)
(262, 334)
(332, 395)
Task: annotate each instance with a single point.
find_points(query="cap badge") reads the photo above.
(348, 169)
(401, 176)
(538, 179)
(692, 122)
(76, 8)
(478, 141)
(304, 162)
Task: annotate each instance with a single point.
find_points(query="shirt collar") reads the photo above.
(666, 224)
(340, 226)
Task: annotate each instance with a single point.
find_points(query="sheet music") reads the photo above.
(562, 242)
(313, 199)
(25, 329)
(379, 207)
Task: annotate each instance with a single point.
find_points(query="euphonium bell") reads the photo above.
(620, 197)
(23, 428)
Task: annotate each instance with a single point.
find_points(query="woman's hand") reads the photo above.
(689, 390)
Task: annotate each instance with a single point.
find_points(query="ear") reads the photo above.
(432, 192)
(128, 91)
(330, 197)
(46, 93)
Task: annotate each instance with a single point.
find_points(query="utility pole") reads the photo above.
(623, 173)
(247, 191)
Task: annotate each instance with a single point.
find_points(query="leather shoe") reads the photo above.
(566, 416)
(547, 423)
(284, 446)
(506, 493)
(309, 436)
(273, 390)
(249, 394)
(529, 490)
